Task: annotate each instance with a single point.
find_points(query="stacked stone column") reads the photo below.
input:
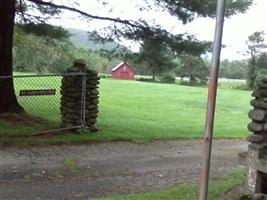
(79, 101)
(256, 174)
(258, 115)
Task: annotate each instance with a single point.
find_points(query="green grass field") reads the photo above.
(138, 111)
(188, 191)
(162, 111)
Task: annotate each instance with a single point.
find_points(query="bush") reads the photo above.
(143, 79)
(104, 75)
(241, 87)
(168, 78)
(197, 83)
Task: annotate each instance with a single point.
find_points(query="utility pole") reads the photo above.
(211, 102)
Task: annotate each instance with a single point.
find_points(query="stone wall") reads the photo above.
(72, 99)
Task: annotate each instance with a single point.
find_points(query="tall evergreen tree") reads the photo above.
(194, 68)
(157, 57)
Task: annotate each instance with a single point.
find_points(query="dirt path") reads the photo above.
(83, 171)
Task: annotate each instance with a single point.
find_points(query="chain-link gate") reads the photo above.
(42, 99)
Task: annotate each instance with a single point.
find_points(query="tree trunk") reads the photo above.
(191, 79)
(153, 74)
(252, 73)
(8, 100)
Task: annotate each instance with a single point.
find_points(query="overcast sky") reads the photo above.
(236, 29)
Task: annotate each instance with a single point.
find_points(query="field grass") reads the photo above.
(232, 83)
(138, 111)
(188, 191)
(169, 111)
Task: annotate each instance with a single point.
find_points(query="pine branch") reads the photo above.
(85, 14)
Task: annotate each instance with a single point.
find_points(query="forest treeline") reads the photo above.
(45, 55)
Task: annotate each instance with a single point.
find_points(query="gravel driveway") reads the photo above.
(70, 172)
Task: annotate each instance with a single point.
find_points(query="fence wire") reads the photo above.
(41, 98)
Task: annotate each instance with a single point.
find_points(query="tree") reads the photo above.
(262, 61)
(45, 55)
(8, 101)
(38, 54)
(194, 68)
(261, 67)
(157, 57)
(34, 13)
(255, 45)
(233, 69)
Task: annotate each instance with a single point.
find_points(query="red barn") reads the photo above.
(123, 71)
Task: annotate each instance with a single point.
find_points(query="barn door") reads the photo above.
(125, 75)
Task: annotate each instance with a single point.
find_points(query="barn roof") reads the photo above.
(119, 65)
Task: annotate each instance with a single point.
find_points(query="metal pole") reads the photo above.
(204, 176)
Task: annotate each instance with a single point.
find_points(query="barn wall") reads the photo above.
(124, 72)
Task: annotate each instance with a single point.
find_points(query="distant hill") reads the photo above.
(80, 39)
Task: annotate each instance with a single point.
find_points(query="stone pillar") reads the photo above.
(256, 173)
(72, 101)
(252, 179)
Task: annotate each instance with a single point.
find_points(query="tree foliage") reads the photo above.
(137, 29)
(255, 44)
(156, 57)
(188, 10)
(261, 67)
(43, 55)
(194, 68)
(35, 13)
(233, 69)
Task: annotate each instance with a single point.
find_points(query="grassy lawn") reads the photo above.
(138, 111)
(188, 191)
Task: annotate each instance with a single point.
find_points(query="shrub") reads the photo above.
(104, 75)
(240, 87)
(197, 83)
(168, 78)
(143, 79)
